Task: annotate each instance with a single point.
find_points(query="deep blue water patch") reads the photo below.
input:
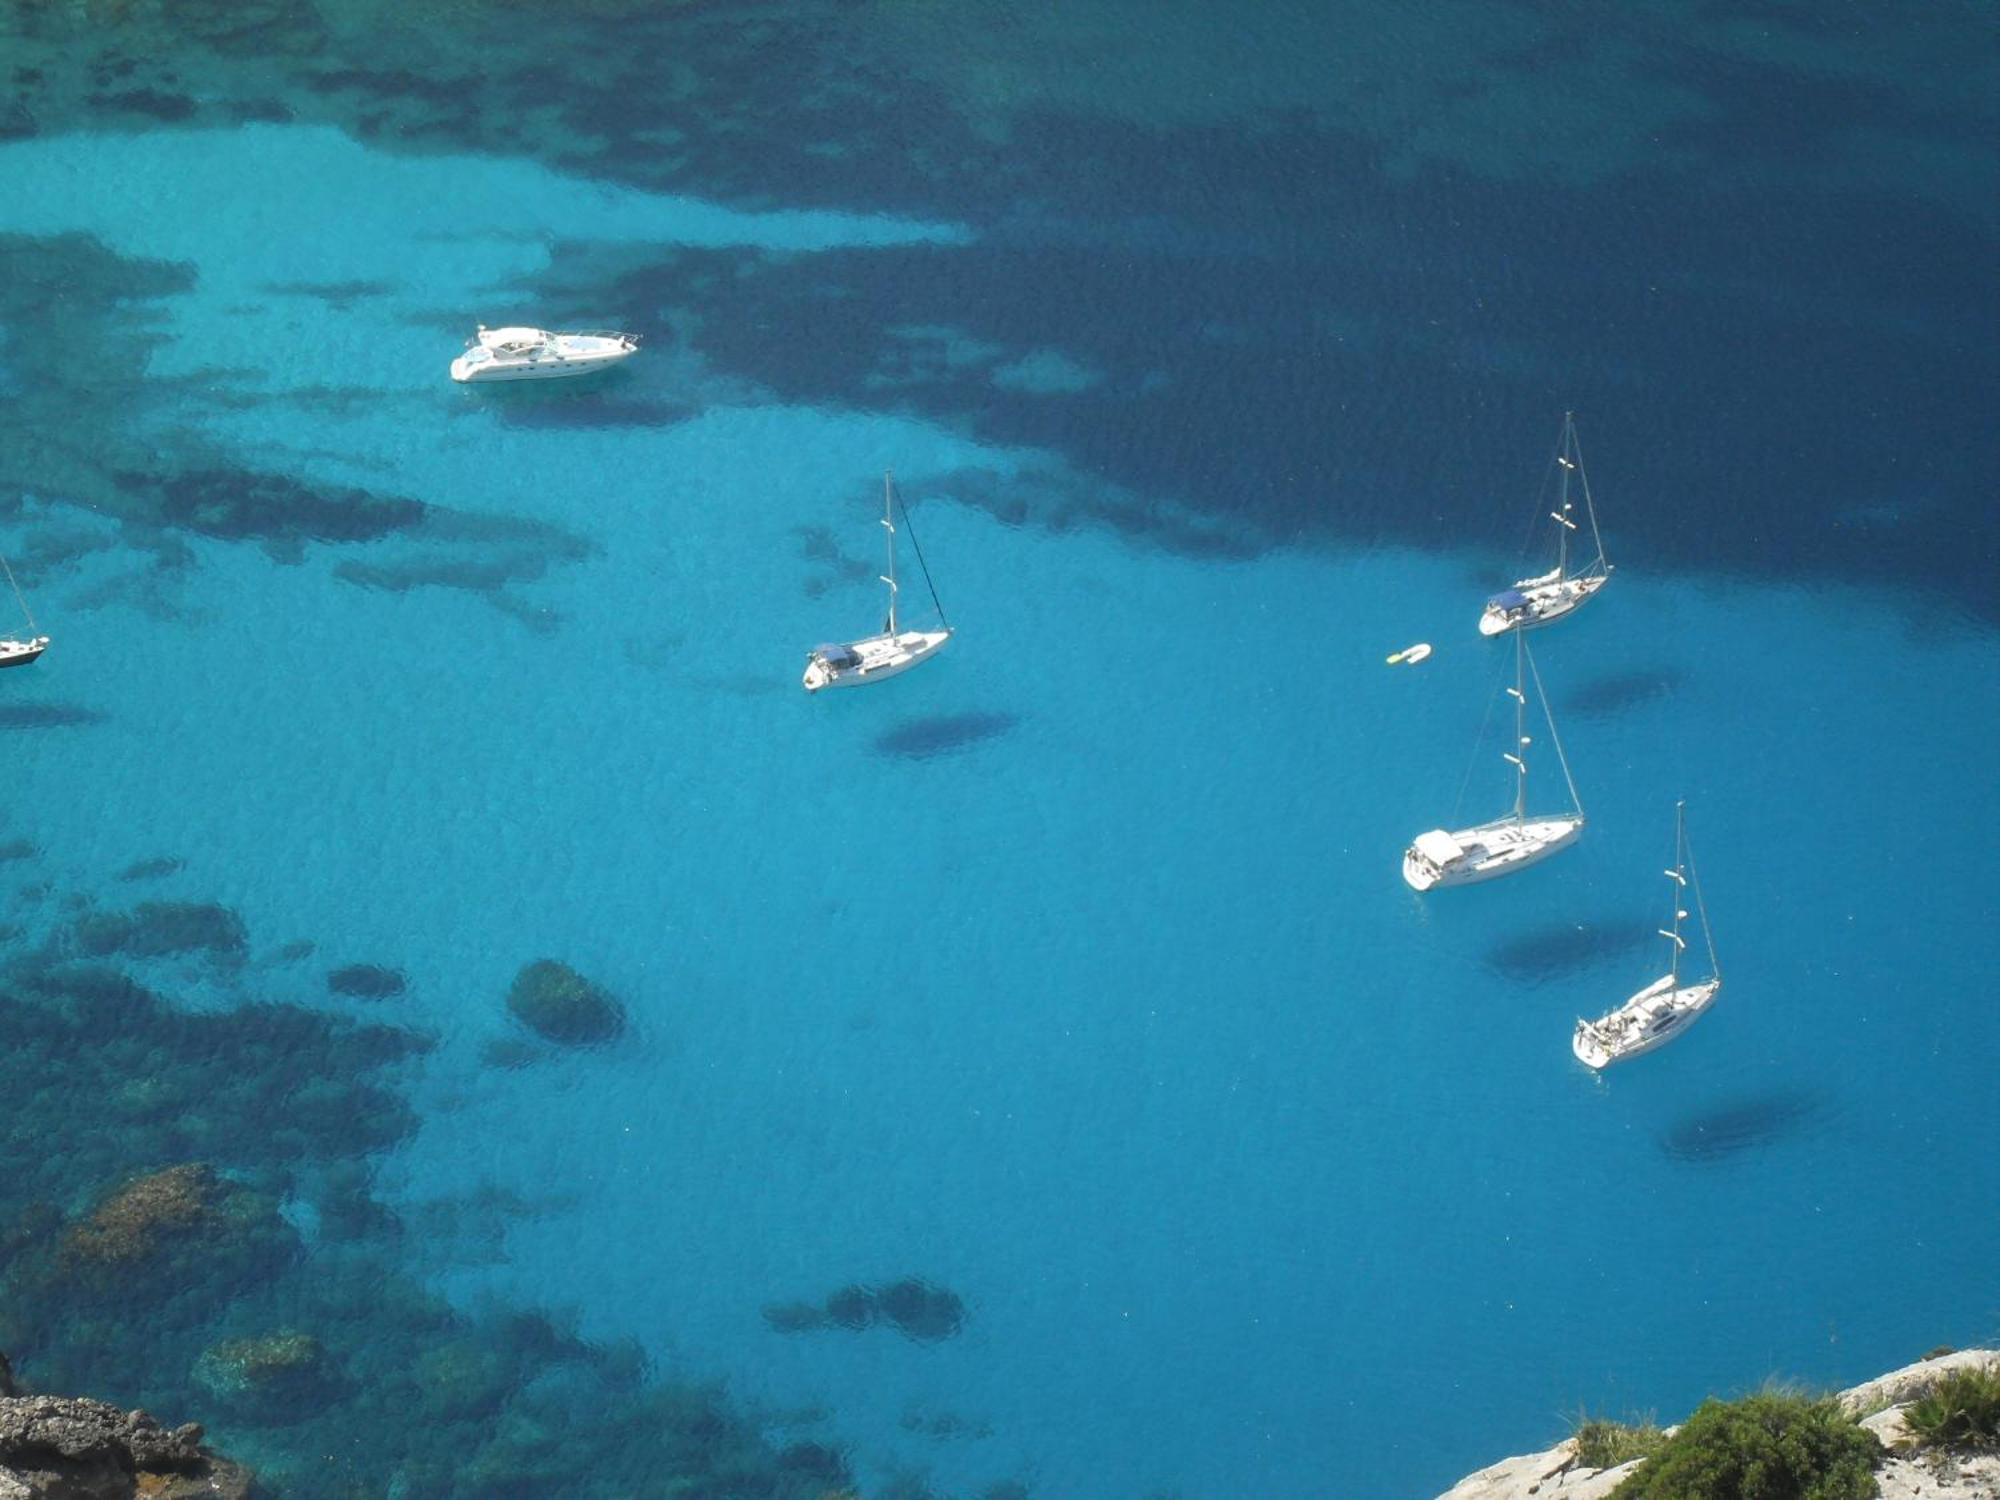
(1738, 1126)
(152, 869)
(1559, 950)
(939, 734)
(48, 716)
(1621, 691)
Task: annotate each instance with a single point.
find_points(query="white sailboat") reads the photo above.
(18, 652)
(1549, 596)
(895, 650)
(1666, 1007)
(1512, 842)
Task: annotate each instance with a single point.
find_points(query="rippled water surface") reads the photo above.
(1030, 1077)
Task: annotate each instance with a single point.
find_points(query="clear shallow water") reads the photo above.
(1111, 1014)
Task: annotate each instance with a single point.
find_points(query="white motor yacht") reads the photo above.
(537, 354)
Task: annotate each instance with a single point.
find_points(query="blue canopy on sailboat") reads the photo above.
(1509, 599)
(837, 656)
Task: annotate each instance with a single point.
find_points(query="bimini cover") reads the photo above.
(1508, 599)
(1439, 847)
(838, 656)
(500, 338)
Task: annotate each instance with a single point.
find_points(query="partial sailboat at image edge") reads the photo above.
(1506, 844)
(893, 652)
(1547, 597)
(18, 653)
(1666, 1007)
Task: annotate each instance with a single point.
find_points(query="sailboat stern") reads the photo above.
(1652, 1018)
(1431, 859)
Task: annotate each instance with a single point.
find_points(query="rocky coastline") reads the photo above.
(74, 1448)
(1905, 1474)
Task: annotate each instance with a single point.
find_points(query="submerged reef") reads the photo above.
(915, 1308)
(366, 982)
(155, 928)
(208, 1239)
(555, 1002)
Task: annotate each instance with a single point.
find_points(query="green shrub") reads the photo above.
(1771, 1446)
(1961, 1411)
(1604, 1444)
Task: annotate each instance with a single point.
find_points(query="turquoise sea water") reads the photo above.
(1073, 974)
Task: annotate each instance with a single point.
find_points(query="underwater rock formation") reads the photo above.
(915, 1308)
(278, 1377)
(366, 982)
(72, 1448)
(554, 1001)
(243, 505)
(136, 1219)
(153, 929)
(149, 1262)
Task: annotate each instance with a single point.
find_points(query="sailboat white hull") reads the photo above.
(1486, 852)
(1652, 1018)
(877, 659)
(20, 653)
(1546, 600)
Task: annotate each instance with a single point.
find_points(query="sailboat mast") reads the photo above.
(1563, 523)
(1519, 759)
(889, 525)
(1555, 739)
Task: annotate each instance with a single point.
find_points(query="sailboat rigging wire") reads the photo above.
(19, 598)
(918, 548)
(1561, 759)
(1701, 907)
(1542, 497)
(1472, 760)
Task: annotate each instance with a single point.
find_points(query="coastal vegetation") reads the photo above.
(1961, 1411)
(1603, 1443)
(1774, 1445)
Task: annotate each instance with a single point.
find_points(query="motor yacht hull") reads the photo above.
(1491, 850)
(881, 657)
(1547, 603)
(20, 653)
(562, 357)
(1650, 1019)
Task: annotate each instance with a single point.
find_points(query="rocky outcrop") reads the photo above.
(72, 1448)
(1555, 1474)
